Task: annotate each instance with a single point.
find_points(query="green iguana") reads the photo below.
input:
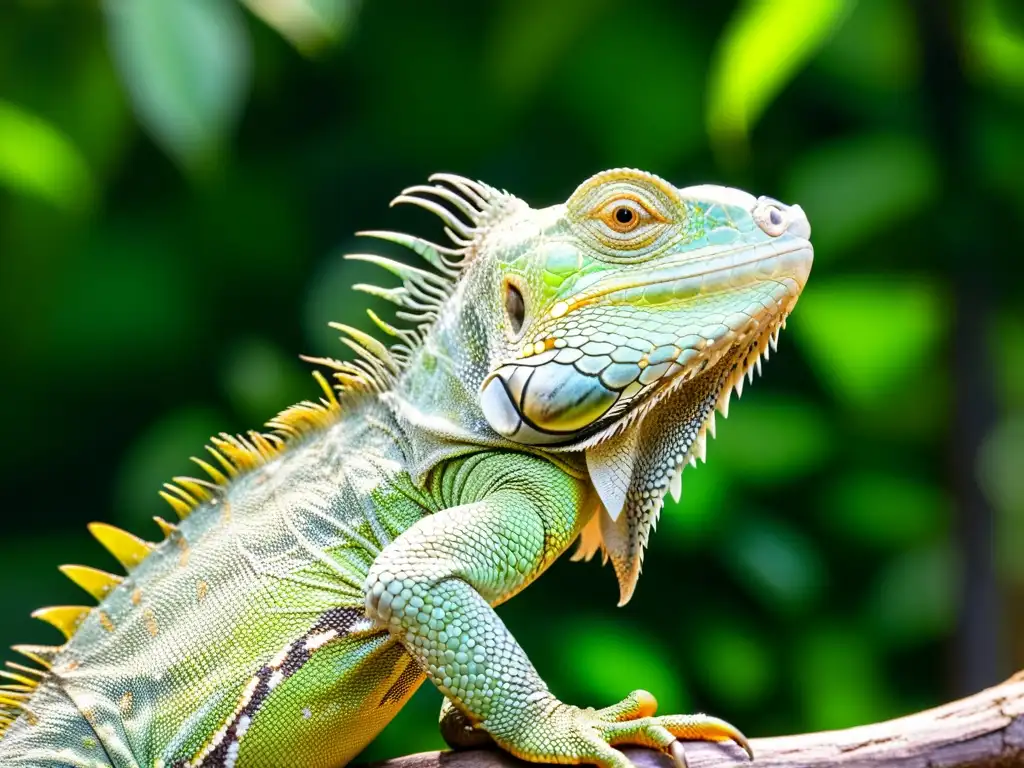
(562, 366)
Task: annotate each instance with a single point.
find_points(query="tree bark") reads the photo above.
(981, 731)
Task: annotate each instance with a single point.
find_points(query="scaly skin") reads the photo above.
(568, 363)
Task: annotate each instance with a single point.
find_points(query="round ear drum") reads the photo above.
(515, 307)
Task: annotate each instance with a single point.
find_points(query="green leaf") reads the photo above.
(122, 297)
(158, 454)
(914, 598)
(765, 44)
(994, 138)
(603, 660)
(37, 160)
(34, 581)
(838, 679)
(330, 298)
(776, 561)
(855, 189)
(260, 379)
(734, 661)
(771, 439)
(186, 67)
(697, 514)
(996, 47)
(868, 336)
(884, 509)
(543, 28)
(309, 25)
(619, 119)
(890, 65)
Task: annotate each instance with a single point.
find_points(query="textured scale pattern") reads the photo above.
(556, 370)
(207, 621)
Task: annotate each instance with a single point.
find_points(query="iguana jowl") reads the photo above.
(563, 366)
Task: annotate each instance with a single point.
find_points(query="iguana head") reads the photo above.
(613, 324)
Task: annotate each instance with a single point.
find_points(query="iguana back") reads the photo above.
(258, 591)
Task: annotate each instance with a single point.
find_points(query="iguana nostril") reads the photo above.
(771, 217)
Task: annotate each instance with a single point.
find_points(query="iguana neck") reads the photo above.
(436, 399)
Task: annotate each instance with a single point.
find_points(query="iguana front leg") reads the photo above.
(433, 587)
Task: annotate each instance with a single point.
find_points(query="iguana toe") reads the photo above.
(561, 733)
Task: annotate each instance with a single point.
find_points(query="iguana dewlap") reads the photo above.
(561, 367)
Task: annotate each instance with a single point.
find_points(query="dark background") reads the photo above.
(178, 179)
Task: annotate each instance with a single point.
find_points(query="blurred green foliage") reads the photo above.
(178, 179)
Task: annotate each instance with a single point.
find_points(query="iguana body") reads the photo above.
(564, 360)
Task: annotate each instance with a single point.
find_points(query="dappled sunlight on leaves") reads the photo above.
(159, 453)
(914, 596)
(766, 43)
(734, 661)
(37, 159)
(885, 509)
(889, 64)
(838, 678)
(592, 653)
(309, 25)
(859, 188)
(775, 561)
(700, 510)
(186, 67)
(865, 368)
(771, 438)
(260, 379)
(996, 45)
(623, 128)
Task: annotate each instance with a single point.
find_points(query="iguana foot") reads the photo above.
(567, 734)
(458, 731)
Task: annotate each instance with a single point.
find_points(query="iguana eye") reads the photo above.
(626, 215)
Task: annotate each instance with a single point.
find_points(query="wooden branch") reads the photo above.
(982, 731)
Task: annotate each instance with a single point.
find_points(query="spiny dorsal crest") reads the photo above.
(472, 209)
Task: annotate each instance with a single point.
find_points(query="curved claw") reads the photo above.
(702, 728)
(678, 753)
(705, 728)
